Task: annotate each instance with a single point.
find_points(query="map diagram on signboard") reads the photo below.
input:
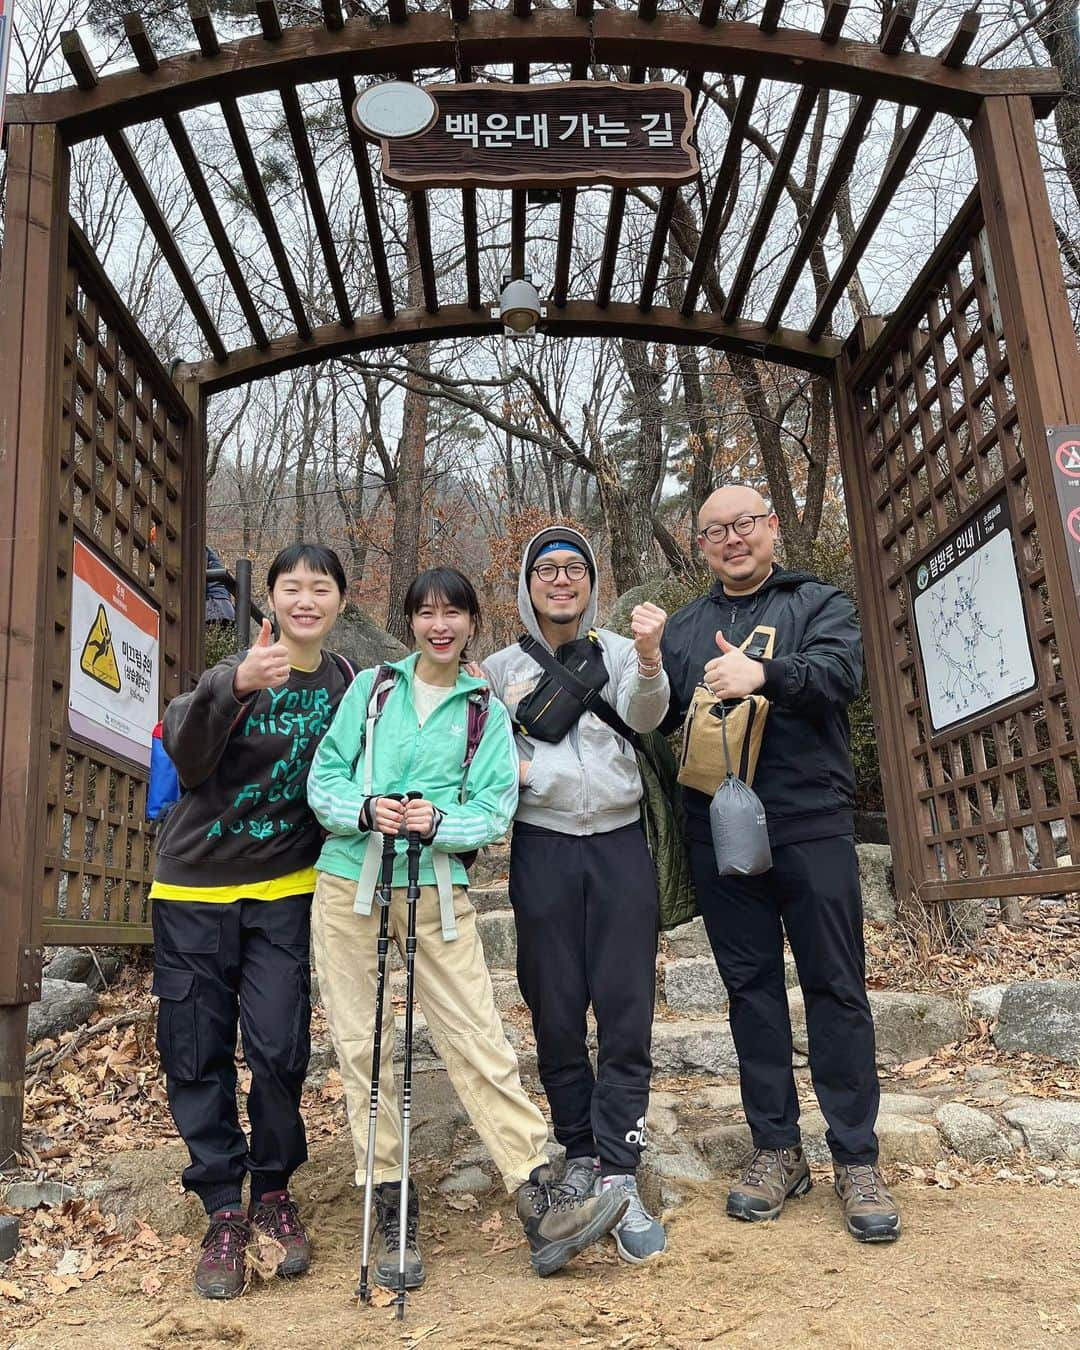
(971, 627)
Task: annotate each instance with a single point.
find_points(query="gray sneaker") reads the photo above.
(637, 1234)
(581, 1176)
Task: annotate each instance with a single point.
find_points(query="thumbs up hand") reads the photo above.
(733, 674)
(266, 665)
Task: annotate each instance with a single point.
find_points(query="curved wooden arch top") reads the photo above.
(577, 318)
(364, 46)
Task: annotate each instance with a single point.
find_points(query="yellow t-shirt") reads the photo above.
(293, 883)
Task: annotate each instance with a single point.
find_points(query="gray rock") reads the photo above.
(494, 896)
(1050, 1130)
(983, 1073)
(973, 1134)
(986, 1002)
(812, 1127)
(725, 1146)
(62, 1007)
(505, 987)
(1042, 1017)
(906, 1104)
(904, 1140)
(876, 880)
(142, 1185)
(9, 1236)
(499, 937)
(718, 1097)
(80, 965)
(689, 939)
(438, 1117)
(661, 1120)
(37, 1194)
(362, 641)
(693, 1048)
(471, 1180)
(910, 1026)
(694, 985)
(492, 864)
(321, 1061)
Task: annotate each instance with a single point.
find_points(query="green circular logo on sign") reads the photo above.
(922, 576)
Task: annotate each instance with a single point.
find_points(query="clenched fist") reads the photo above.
(266, 665)
(647, 628)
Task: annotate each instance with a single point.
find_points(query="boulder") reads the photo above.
(35, 1194)
(79, 965)
(907, 1026)
(360, 640)
(693, 1048)
(63, 1006)
(908, 1141)
(1041, 1017)
(976, 1136)
(906, 1104)
(689, 939)
(470, 1180)
(876, 880)
(986, 1002)
(499, 938)
(694, 985)
(1050, 1130)
(725, 1146)
(142, 1184)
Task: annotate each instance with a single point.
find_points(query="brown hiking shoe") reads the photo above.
(220, 1272)
(275, 1214)
(771, 1176)
(559, 1223)
(870, 1212)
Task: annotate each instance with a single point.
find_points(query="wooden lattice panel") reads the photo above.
(121, 450)
(998, 795)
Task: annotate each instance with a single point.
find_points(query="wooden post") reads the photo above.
(31, 310)
(193, 547)
(1039, 334)
(879, 636)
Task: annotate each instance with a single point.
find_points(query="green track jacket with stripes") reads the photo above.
(411, 758)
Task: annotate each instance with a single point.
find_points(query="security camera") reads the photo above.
(519, 307)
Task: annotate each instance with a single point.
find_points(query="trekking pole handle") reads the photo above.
(413, 854)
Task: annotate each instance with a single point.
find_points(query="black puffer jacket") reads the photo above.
(804, 775)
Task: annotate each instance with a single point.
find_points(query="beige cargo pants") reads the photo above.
(453, 990)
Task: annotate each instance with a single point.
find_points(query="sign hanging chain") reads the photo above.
(592, 46)
(457, 53)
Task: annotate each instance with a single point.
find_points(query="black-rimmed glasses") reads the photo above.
(549, 571)
(742, 525)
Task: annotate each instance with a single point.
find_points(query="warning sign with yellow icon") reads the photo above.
(113, 691)
(98, 658)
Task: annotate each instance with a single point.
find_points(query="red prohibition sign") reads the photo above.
(1068, 458)
(1073, 523)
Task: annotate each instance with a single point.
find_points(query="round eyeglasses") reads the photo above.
(549, 571)
(742, 525)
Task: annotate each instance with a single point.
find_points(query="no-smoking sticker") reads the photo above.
(1073, 523)
(1068, 458)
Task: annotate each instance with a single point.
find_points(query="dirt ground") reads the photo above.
(982, 1265)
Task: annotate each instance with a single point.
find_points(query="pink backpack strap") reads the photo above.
(476, 721)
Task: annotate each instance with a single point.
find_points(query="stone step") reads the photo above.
(693, 984)
(496, 895)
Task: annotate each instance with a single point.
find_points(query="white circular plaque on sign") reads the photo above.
(395, 110)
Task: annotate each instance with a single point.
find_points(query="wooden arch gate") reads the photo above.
(942, 411)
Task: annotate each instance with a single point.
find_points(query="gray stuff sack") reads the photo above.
(740, 832)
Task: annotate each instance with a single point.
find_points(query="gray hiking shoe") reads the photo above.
(771, 1176)
(560, 1224)
(581, 1175)
(384, 1247)
(870, 1213)
(637, 1234)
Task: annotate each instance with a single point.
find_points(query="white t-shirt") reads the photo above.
(427, 697)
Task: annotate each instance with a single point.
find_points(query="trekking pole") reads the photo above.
(412, 895)
(383, 896)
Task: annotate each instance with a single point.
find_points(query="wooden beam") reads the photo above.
(770, 16)
(472, 247)
(518, 215)
(203, 23)
(141, 47)
(368, 199)
(459, 11)
(646, 10)
(709, 13)
(724, 185)
(422, 221)
(396, 11)
(835, 17)
(565, 247)
(309, 176)
(610, 253)
(333, 15)
(78, 60)
(789, 148)
(260, 204)
(955, 54)
(200, 190)
(269, 19)
(577, 318)
(671, 41)
(146, 200)
(657, 247)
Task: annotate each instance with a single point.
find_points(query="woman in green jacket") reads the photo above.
(412, 735)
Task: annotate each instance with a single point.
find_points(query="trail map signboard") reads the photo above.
(114, 673)
(1064, 445)
(530, 135)
(969, 620)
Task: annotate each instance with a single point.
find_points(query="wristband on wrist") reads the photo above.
(650, 669)
(367, 820)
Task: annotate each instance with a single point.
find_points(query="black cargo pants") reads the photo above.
(216, 965)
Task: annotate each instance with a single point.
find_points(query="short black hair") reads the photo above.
(446, 584)
(315, 557)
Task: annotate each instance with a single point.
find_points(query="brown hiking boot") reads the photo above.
(275, 1214)
(771, 1176)
(870, 1212)
(220, 1272)
(559, 1223)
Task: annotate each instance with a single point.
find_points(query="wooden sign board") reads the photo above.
(575, 133)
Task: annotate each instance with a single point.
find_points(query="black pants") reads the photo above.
(812, 892)
(586, 915)
(214, 964)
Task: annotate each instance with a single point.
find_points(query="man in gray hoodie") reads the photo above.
(582, 882)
